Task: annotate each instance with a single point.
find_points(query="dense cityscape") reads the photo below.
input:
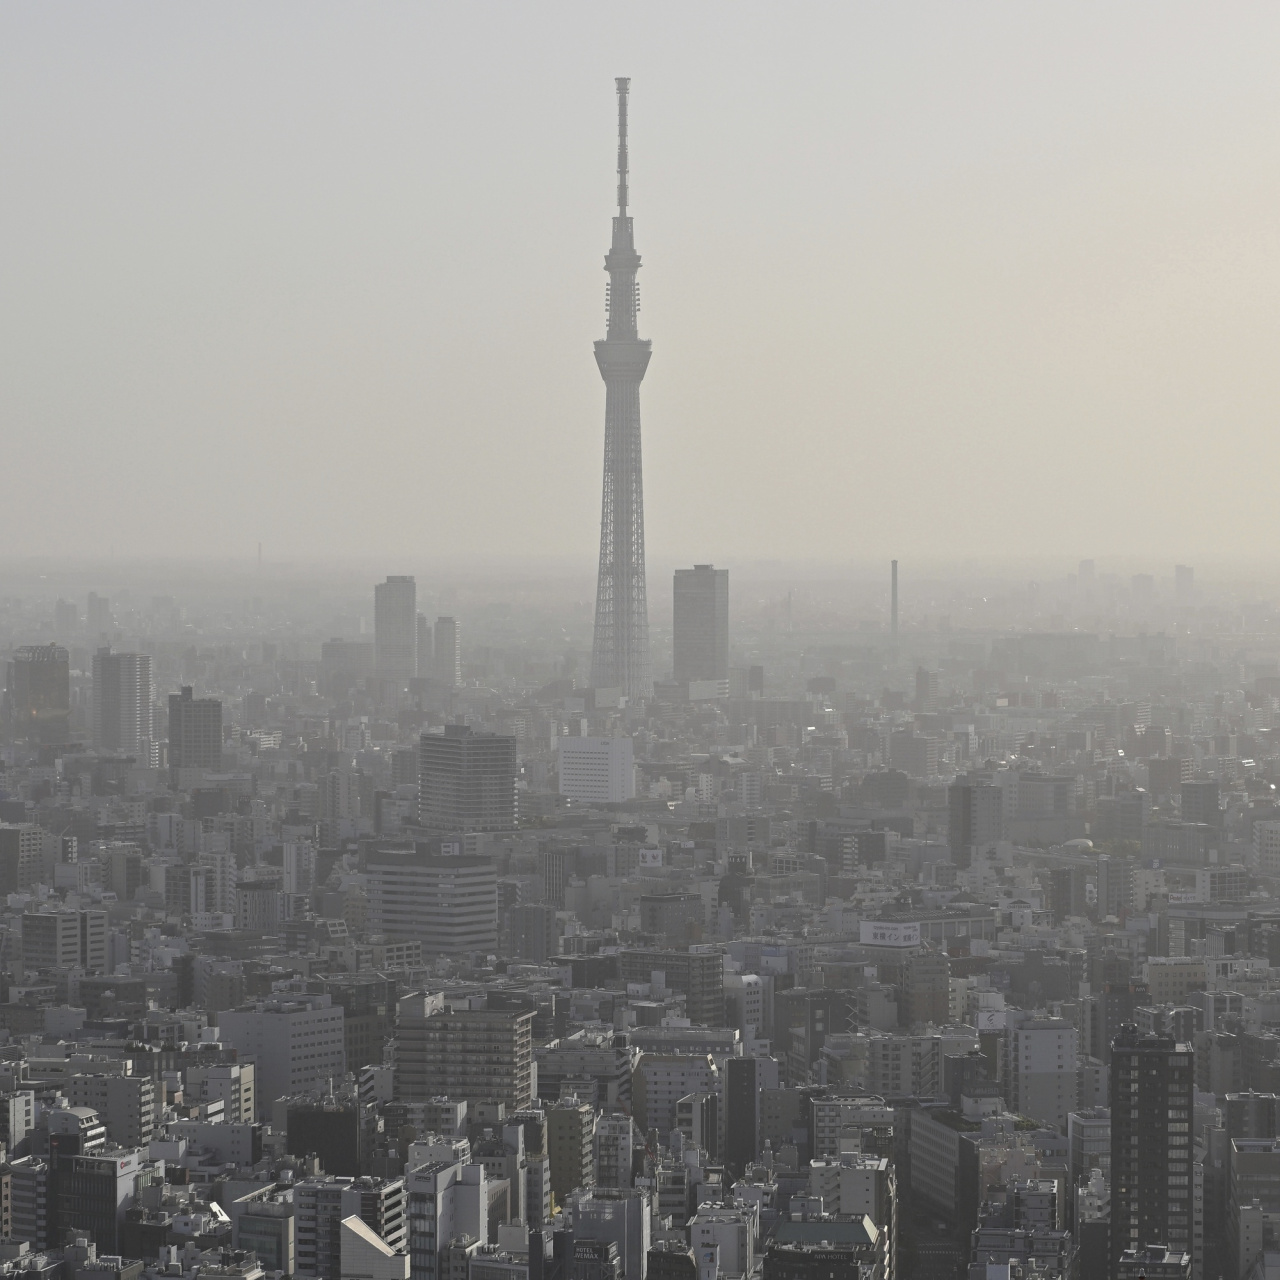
(891, 921)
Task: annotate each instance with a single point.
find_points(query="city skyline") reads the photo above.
(961, 277)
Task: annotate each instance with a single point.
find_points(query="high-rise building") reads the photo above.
(699, 975)
(483, 1055)
(127, 1104)
(571, 1127)
(195, 733)
(343, 664)
(1200, 802)
(395, 628)
(321, 1204)
(596, 770)
(530, 932)
(1041, 1069)
(620, 649)
(1253, 1201)
(65, 617)
(426, 648)
(23, 861)
(122, 697)
(448, 652)
(97, 616)
(927, 690)
(976, 813)
(1152, 1093)
(296, 1043)
(742, 1084)
(466, 781)
(449, 901)
(700, 624)
(615, 1145)
(39, 686)
(65, 940)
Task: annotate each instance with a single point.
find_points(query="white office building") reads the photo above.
(597, 770)
(295, 1043)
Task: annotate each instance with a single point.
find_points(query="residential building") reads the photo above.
(466, 781)
(448, 652)
(482, 1055)
(570, 1135)
(121, 707)
(1152, 1094)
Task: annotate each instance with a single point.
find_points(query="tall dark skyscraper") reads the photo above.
(1152, 1088)
(700, 624)
(40, 693)
(195, 733)
(620, 652)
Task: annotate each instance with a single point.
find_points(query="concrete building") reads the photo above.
(295, 1043)
(121, 705)
(926, 988)
(622, 1217)
(395, 628)
(1042, 1070)
(1152, 1089)
(448, 652)
(571, 1129)
(24, 861)
(481, 1055)
(39, 694)
(195, 733)
(1253, 1202)
(65, 940)
(660, 1080)
(263, 1222)
(447, 901)
(975, 819)
(126, 1103)
(365, 1255)
(321, 1204)
(699, 975)
(596, 770)
(614, 1150)
(466, 781)
(446, 1200)
(231, 1083)
(700, 624)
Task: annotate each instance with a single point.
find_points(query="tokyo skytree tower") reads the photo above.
(620, 651)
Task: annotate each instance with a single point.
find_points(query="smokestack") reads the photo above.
(893, 598)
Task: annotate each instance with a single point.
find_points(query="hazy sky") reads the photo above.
(979, 277)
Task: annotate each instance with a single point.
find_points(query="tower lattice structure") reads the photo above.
(620, 652)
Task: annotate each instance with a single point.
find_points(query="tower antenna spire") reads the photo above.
(624, 88)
